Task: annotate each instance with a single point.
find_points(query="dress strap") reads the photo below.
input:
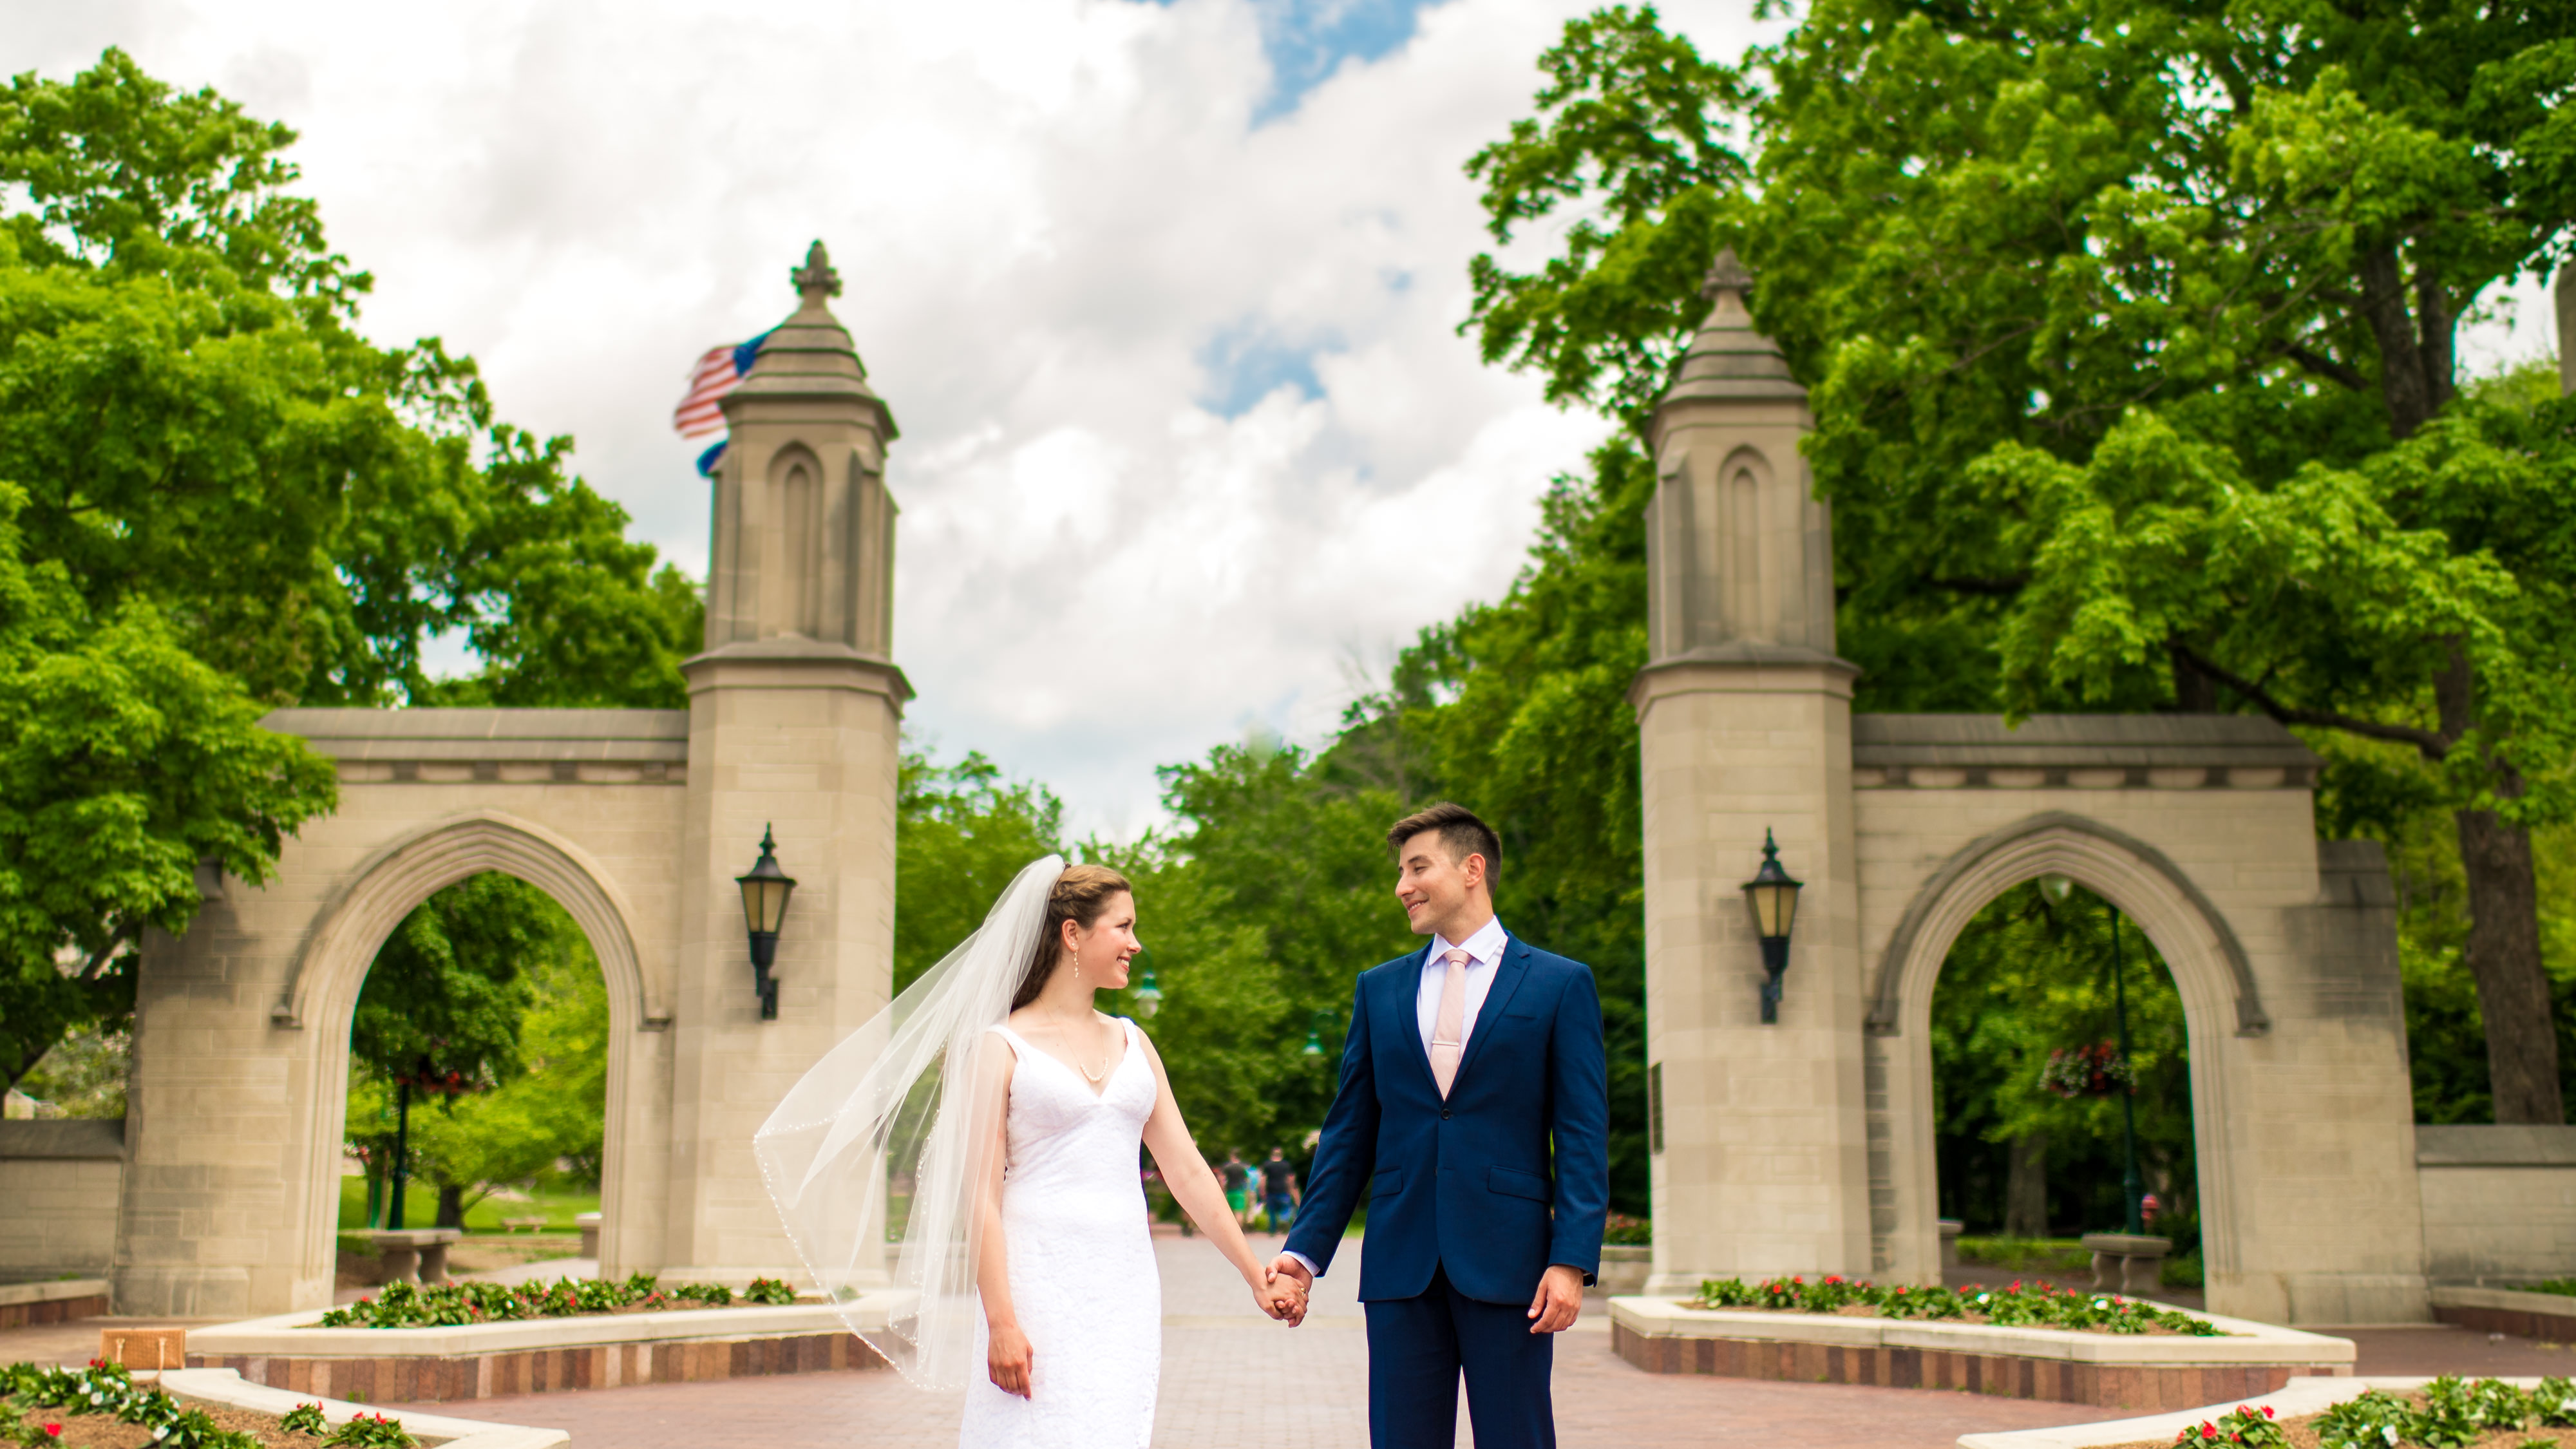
(1019, 1047)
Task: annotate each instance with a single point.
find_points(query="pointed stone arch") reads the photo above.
(2207, 962)
(322, 993)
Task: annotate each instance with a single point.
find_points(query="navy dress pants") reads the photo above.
(1417, 1347)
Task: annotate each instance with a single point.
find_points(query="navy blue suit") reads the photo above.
(1471, 1198)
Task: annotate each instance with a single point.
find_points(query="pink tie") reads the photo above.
(1448, 1027)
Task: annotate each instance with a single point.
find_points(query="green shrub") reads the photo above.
(2027, 1255)
(451, 1305)
(1628, 1231)
(372, 1431)
(2453, 1412)
(2252, 1428)
(2180, 1272)
(2038, 1305)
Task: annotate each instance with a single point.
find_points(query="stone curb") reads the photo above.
(286, 1336)
(2249, 1343)
(13, 1294)
(223, 1386)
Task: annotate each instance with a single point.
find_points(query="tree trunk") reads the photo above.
(2404, 384)
(2504, 957)
(2026, 1188)
(451, 1206)
(2194, 691)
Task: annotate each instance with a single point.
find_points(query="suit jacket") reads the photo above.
(1468, 1184)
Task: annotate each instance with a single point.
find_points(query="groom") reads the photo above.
(1474, 1106)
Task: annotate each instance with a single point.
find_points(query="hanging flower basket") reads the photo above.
(2098, 1070)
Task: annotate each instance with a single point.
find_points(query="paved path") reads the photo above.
(1234, 1380)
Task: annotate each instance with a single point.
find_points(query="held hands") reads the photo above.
(1559, 1299)
(1281, 1296)
(1290, 1283)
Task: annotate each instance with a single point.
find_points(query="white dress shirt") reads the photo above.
(1484, 951)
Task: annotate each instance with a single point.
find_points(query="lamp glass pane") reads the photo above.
(1775, 908)
(764, 902)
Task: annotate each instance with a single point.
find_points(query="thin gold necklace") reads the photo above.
(1078, 1063)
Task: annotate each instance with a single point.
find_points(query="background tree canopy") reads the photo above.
(217, 497)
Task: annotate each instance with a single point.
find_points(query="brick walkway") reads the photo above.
(1234, 1380)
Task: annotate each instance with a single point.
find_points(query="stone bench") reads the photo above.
(414, 1255)
(589, 1225)
(533, 1225)
(2135, 1260)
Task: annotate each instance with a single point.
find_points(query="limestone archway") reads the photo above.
(2208, 966)
(322, 992)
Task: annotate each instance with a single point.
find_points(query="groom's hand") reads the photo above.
(1559, 1299)
(1289, 1268)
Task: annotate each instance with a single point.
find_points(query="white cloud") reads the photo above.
(1063, 225)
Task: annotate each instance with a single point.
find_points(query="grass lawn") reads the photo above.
(420, 1208)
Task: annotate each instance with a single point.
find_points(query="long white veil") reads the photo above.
(875, 1153)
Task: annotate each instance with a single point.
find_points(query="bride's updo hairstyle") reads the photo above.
(1080, 895)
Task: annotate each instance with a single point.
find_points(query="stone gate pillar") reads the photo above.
(1744, 716)
(795, 710)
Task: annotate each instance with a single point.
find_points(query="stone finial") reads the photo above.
(816, 280)
(1726, 274)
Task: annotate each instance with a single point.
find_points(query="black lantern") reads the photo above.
(764, 908)
(1774, 899)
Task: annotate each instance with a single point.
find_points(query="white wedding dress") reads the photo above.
(1081, 1260)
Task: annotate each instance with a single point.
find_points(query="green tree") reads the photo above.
(449, 994)
(218, 497)
(961, 833)
(2048, 248)
(553, 1111)
(1275, 891)
(124, 763)
(2031, 975)
(196, 421)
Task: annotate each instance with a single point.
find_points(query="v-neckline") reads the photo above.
(1126, 1049)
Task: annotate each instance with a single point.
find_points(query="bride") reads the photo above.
(988, 1122)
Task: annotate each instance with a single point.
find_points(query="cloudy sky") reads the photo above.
(1163, 296)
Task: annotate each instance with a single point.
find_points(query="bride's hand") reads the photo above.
(1009, 1359)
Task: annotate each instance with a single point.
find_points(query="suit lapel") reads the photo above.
(1489, 1017)
(1404, 1007)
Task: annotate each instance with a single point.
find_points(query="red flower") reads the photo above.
(2267, 1411)
(54, 1430)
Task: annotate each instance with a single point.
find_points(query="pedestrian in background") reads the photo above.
(1279, 1190)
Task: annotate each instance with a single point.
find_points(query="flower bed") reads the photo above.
(2018, 1306)
(2448, 1413)
(101, 1407)
(455, 1305)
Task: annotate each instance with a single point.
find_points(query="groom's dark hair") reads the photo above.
(1461, 834)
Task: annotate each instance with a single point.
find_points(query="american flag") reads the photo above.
(720, 371)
